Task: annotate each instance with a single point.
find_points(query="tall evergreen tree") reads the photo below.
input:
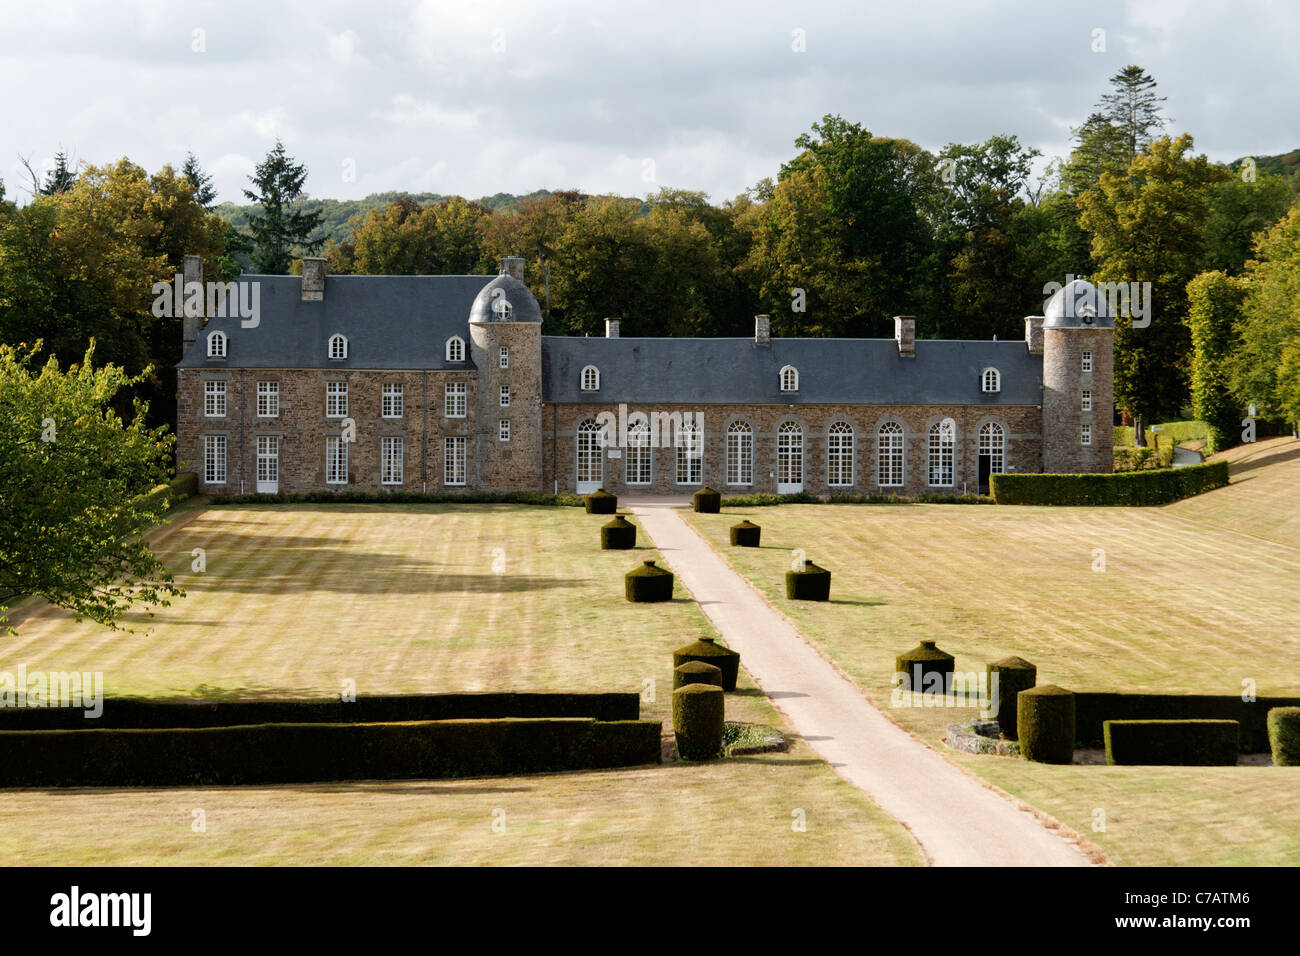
(205, 194)
(1133, 108)
(278, 182)
(59, 179)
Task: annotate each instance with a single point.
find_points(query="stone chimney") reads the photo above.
(1034, 334)
(513, 266)
(905, 335)
(611, 328)
(762, 330)
(191, 324)
(313, 279)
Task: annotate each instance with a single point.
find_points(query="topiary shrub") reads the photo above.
(601, 502)
(696, 672)
(813, 583)
(707, 501)
(618, 534)
(1284, 736)
(709, 651)
(1014, 674)
(745, 534)
(646, 583)
(698, 715)
(1045, 724)
(925, 668)
(1172, 743)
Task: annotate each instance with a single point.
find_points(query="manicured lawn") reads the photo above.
(405, 599)
(1262, 499)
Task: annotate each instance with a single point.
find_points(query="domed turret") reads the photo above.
(505, 299)
(1078, 305)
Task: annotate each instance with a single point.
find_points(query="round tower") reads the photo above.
(1078, 381)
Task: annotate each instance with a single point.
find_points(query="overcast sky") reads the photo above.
(481, 97)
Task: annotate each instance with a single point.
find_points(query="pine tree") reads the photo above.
(205, 194)
(1134, 108)
(60, 178)
(278, 181)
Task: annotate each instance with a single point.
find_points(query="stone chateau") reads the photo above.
(446, 383)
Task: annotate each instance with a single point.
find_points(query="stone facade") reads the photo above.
(1064, 383)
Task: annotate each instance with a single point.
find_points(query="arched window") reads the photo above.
(993, 443)
(789, 455)
(740, 454)
(501, 309)
(889, 454)
(839, 454)
(338, 347)
(591, 379)
(789, 379)
(942, 442)
(992, 380)
(455, 349)
(591, 460)
(689, 440)
(216, 345)
(636, 468)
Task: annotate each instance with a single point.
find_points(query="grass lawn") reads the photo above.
(1189, 601)
(423, 598)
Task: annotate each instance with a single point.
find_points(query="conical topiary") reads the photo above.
(745, 534)
(813, 583)
(707, 501)
(709, 651)
(1045, 724)
(646, 582)
(696, 672)
(698, 716)
(618, 534)
(601, 502)
(925, 668)
(1014, 674)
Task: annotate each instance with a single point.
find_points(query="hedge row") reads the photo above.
(1094, 709)
(133, 713)
(1171, 743)
(762, 499)
(1156, 487)
(404, 497)
(305, 753)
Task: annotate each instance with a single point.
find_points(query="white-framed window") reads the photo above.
(789, 379)
(216, 345)
(336, 399)
(591, 379)
(991, 380)
(889, 455)
(636, 457)
(505, 396)
(1087, 360)
(505, 356)
(336, 461)
(942, 443)
(740, 454)
(268, 399)
(391, 457)
(1085, 435)
(789, 454)
(591, 451)
(993, 443)
(214, 459)
(1087, 399)
(214, 399)
(453, 461)
(503, 430)
(268, 458)
(839, 454)
(455, 349)
(455, 401)
(338, 347)
(394, 401)
(689, 442)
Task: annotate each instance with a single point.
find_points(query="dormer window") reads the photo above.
(455, 349)
(338, 347)
(501, 309)
(991, 380)
(591, 379)
(789, 379)
(216, 345)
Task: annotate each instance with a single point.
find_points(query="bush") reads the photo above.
(1121, 488)
(618, 534)
(709, 651)
(698, 715)
(1284, 736)
(405, 498)
(1178, 743)
(1045, 724)
(1094, 709)
(706, 501)
(647, 583)
(745, 534)
(813, 583)
(1014, 674)
(185, 485)
(696, 672)
(601, 502)
(157, 499)
(923, 666)
(763, 499)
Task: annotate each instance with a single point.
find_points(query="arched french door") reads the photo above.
(591, 457)
(789, 458)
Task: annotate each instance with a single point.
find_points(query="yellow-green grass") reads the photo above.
(1182, 606)
(406, 599)
(1261, 501)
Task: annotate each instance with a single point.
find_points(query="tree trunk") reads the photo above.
(1139, 431)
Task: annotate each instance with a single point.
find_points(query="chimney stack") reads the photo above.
(905, 335)
(1034, 334)
(313, 279)
(190, 324)
(611, 328)
(762, 330)
(513, 266)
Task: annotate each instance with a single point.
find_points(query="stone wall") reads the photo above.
(1063, 416)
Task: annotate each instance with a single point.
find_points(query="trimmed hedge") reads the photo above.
(698, 716)
(746, 534)
(921, 665)
(185, 485)
(813, 583)
(708, 650)
(1014, 674)
(1172, 743)
(706, 501)
(1045, 721)
(601, 502)
(618, 534)
(158, 499)
(404, 498)
(696, 672)
(1154, 487)
(1284, 736)
(136, 713)
(1095, 708)
(648, 583)
(305, 753)
(763, 499)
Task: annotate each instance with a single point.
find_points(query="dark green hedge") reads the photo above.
(134, 713)
(185, 485)
(403, 498)
(1094, 709)
(1172, 743)
(708, 650)
(1284, 736)
(1014, 674)
(698, 716)
(1155, 487)
(304, 753)
(762, 499)
(1045, 724)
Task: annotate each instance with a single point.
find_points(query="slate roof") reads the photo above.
(505, 289)
(1077, 305)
